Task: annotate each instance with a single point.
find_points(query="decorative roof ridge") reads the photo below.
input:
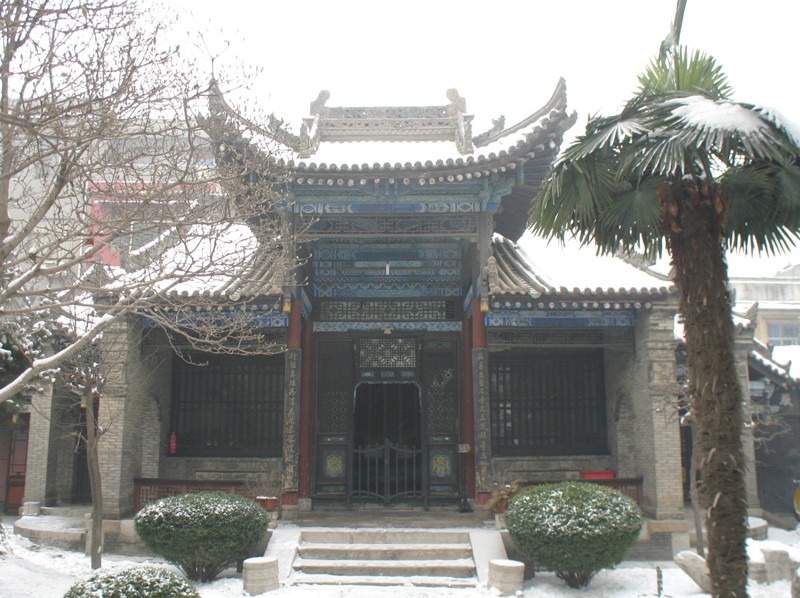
(557, 103)
(337, 124)
(641, 263)
(521, 264)
(775, 367)
(523, 257)
(264, 276)
(509, 272)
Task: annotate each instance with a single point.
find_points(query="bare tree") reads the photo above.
(111, 200)
(114, 203)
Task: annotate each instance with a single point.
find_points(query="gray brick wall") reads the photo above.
(642, 388)
(121, 410)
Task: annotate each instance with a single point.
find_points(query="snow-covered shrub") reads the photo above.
(135, 582)
(573, 528)
(202, 533)
(3, 540)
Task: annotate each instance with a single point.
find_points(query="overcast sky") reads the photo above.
(503, 57)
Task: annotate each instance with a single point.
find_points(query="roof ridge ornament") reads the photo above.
(556, 105)
(446, 122)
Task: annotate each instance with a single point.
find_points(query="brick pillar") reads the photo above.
(40, 468)
(743, 344)
(654, 390)
(120, 410)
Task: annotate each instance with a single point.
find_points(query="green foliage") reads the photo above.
(135, 582)
(679, 71)
(573, 528)
(202, 533)
(679, 133)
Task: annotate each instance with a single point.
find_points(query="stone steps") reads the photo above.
(385, 552)
(375, 567)
(385, 557)
(367, 580)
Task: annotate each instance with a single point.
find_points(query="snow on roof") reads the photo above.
(789, 356)
(741, 265)
(218, 260)
(368, 154)
(776, 305)
(575, 267)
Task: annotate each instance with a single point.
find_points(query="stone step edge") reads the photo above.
(299, 578)
(403, 563)
(346, 568)
(383, 547)
(396, 555)
(345, 536)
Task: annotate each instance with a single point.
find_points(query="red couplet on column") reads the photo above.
(173, 443)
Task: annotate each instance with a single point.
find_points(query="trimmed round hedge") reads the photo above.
(573, 528)
(202, 533)
(135, 582)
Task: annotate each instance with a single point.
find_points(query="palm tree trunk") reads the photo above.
(694, 225)
(694, 469)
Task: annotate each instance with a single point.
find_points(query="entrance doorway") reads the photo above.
(387, 442)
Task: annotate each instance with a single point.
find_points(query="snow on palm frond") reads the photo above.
(705, 113)
(778, 119)
(615, 133)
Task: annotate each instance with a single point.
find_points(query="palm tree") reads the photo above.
(683, 167)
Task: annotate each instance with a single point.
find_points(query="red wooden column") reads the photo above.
(295, 325)
(306, 411)
(478, 326)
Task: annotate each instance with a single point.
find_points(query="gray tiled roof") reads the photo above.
(511, 272)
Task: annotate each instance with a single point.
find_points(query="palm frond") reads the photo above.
(604, 187)
(632, 220)
(680, 72)
(763, 206)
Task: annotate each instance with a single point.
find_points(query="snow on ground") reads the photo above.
(31, 570)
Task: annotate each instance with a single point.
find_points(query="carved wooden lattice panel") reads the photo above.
(380, 226)
(335, 378)
(387, 359)
(386, 311)
(387, 353)
(440, 382)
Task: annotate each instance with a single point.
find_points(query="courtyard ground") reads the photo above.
(31, 570)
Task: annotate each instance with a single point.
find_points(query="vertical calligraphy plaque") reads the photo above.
(480, 390)
(291, 420)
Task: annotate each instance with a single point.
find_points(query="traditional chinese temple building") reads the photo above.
(431, 350)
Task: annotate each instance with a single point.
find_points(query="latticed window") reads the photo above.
(232, 406)
(549, 403)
